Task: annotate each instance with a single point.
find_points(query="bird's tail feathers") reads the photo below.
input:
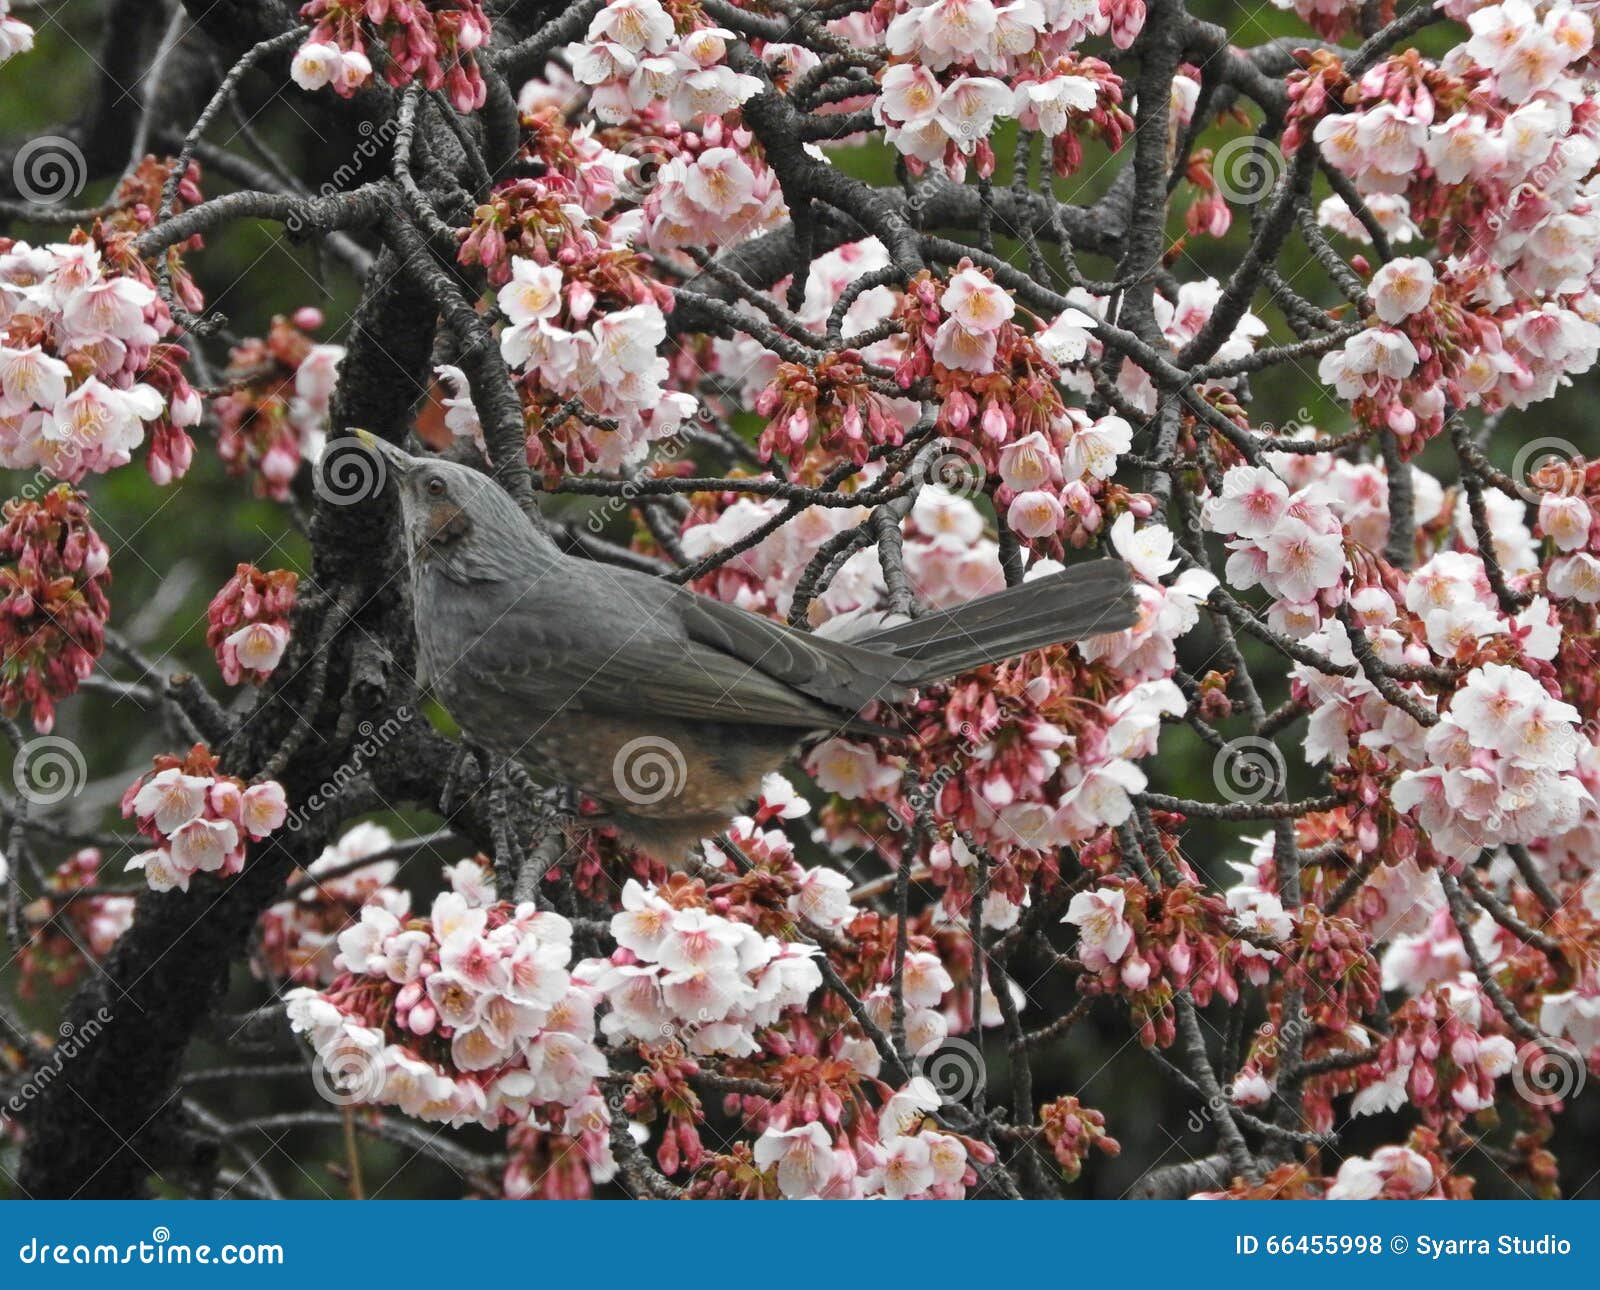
(1085, 600)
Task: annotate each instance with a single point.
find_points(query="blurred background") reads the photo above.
(173, 548)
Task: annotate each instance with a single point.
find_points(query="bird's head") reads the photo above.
(454, 517)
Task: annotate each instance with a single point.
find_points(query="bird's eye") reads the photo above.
(435, 486)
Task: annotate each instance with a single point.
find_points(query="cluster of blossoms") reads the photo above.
(1499, 766)
(1181, 316)
(1491, 760)
(64, 923)
(1147, 947)
(1414, 1172)
(686, 969)
(606, 360)
(744, 363)
(1331, 19)
(247, 622)
(199, 819)
(959, 66)
(1436, 1055)
(906, 1157)
(273, 413)
(85, 371)
(1447, 1047)
(762, 579)
(662, 79)
(1072, 1130)
(1490, 753)
(1358, 493)
(54, 571)
(585, 317)
(564, 1162)
(1568, 502)
(467, 1016)
(829, 402)
(714, 187)
(1046, 465)
(1489, 153)
(530, 216)
(297, 938)
(635, 55)
(1393, 1173)
(1291, 545)
(434, 42)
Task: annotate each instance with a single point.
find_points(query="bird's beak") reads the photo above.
(396, 458)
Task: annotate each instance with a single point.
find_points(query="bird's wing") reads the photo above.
(833, 672)
(642, 664)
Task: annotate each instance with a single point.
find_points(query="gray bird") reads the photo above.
(663, 705)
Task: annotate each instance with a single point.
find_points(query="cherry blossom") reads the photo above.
(199, 820)
(714, 979)
(467, 1016)
(248, 622)
(91, 302)
(16, 37)
(434, 43)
